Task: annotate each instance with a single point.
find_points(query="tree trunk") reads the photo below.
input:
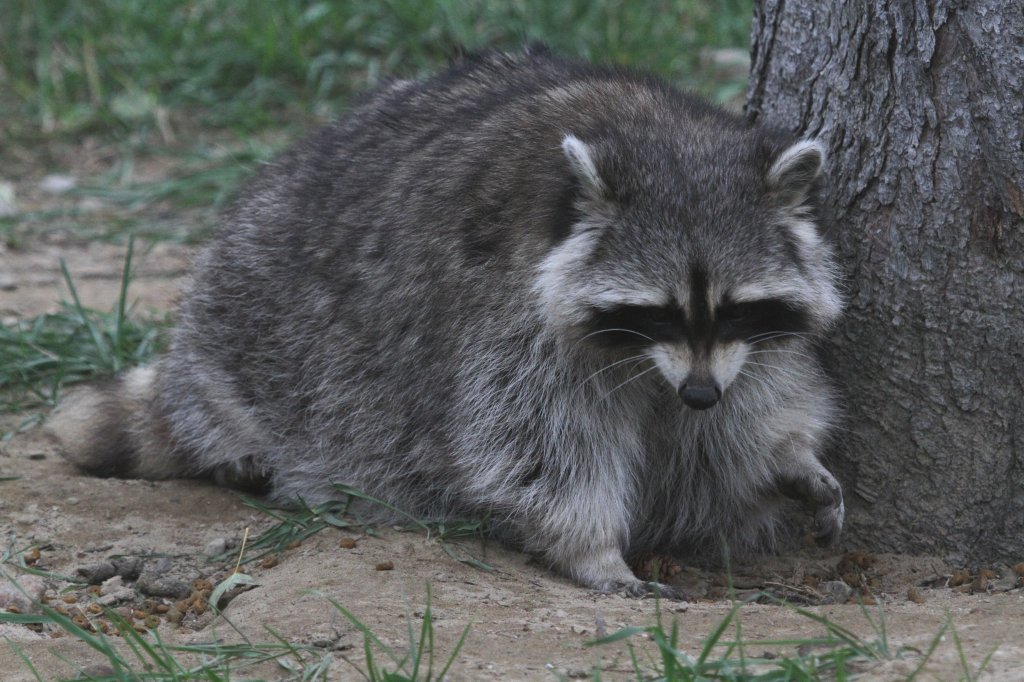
(922, 106)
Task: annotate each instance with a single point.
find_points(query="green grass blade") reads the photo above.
(960, 651)
(352, 492)
(716, 634)
(426, 640)
(455, 653)
(367, 633)
(931, 649)
(25, 659)
(119, 336)
(97, 337)
(624, 633)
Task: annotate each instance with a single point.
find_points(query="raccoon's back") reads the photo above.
(392, 241)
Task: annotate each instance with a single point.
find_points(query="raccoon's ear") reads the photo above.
(581, 161)
(794, 171)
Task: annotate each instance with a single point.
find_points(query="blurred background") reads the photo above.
(90, 88)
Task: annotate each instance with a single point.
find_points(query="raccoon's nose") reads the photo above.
(700, 396)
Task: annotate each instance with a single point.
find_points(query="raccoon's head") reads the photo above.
(691, 255)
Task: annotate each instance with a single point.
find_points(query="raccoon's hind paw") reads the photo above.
(821, 493)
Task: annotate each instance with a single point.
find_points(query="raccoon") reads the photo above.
(566, 297)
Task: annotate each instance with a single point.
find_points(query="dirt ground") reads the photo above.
(525, 622)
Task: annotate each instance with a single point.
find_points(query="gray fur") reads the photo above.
(418, 302)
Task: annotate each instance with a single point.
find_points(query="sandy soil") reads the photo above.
(525, 622)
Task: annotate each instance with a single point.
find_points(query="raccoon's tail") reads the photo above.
(115, 428)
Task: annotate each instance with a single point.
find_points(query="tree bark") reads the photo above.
(921, 104)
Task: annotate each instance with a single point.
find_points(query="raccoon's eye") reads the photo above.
(632, 325)
(655, 317)
(750, 319)
(736, 313)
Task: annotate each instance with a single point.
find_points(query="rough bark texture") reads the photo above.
(922, 106)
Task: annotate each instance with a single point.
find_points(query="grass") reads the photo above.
(837, 654)
(129, 655)
(416, 662)
(181, 82)
(295, 525)
(135, 656)
(201, 177)
(40, 355)
(77, 66)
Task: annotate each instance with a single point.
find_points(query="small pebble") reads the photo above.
(154, 584)
(322, 640)
(836, 591)
(1006, 582)
(8, 205)
(116, 597)
(385, 566)
(95, 574)
(98, 670)
(347, 543)
(128, 567)
(57, 184)
(216, 547)
(111, 585)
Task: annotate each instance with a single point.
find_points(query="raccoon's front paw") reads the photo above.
(646, 588)
(660, 590)
(823, 496)
(607, 573)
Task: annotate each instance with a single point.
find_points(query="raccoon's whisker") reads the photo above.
(771, 332)
(760, 380)
(762, 364)
(763, 351)
(802, 356)
(768, 336)
(609, 366)
(614, 329)
(632, 378)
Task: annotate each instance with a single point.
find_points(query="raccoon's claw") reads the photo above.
(829, 521)
(821, 494)
(649, 588)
